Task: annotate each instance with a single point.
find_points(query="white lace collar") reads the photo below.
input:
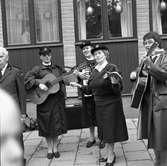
(101, 66)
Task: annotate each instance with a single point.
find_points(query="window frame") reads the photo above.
(164, 36)
(33, 40)
(105, 29)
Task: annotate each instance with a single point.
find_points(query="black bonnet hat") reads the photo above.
(99, 47)
(85, 43)
(44, 50)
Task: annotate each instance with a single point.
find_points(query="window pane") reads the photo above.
(17, 18)
(120, 18)
(159, 18)
(89, 19)
(46, 20)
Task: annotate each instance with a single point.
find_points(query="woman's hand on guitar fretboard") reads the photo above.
(84, 74)
(114, 80)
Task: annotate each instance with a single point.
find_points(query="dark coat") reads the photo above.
(153, 111)
(50, 114)
(109, 110)
(13, 82)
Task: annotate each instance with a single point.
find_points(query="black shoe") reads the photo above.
(101, 145)
(24, 162)
(112, 163)
(50, 155)
(103, 159)
(90, 143)
(109, 164)
(57, 154)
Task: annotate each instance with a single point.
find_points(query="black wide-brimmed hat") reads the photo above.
(99, 47)
(44, 50)
(86, 43)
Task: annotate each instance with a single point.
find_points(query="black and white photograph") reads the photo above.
(83, 82)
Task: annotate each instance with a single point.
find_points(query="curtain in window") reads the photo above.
(89, 21)
(46, 20)
(126, 18)
(113, 20)
(156, 15)
(17, 22)
(120, 23)
(81, 19)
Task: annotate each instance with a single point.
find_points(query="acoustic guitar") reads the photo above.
(38, 96)
(141, 83)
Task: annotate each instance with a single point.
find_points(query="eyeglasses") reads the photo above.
(148, 42)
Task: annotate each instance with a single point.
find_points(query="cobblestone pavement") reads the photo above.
(74, 153)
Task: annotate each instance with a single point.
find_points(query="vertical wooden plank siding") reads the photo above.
(143, 24)
(164, 44)
(68, 38)
(26, 58)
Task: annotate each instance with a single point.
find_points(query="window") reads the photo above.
(32, 21)
(159, 15)
(46, 20)
(120, 18)
(18, 28)
(104, 19)
(89, 19)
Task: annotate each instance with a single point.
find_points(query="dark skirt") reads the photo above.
(88, 111)
(51, 116)
(111, 121)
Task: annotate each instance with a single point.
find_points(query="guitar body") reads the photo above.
(38, 96)
(140, 87)
(138, 91)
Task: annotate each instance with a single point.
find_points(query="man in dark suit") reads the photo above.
(12, 81)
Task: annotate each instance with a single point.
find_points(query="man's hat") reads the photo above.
(44, 50)
(85, 43)
(99, 47)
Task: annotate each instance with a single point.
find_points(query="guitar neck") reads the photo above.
(141, 67)
(148, 55)
(60, 78)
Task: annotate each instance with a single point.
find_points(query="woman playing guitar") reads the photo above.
(152, 124)
(50, 113)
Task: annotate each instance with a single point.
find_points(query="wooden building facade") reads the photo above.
(26, 25)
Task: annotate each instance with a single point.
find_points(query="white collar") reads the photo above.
(156, 54)
(100, 67)
(4, 68)
(90, 59)
(46, 64)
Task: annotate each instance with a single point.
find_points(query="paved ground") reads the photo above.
(74, 153)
